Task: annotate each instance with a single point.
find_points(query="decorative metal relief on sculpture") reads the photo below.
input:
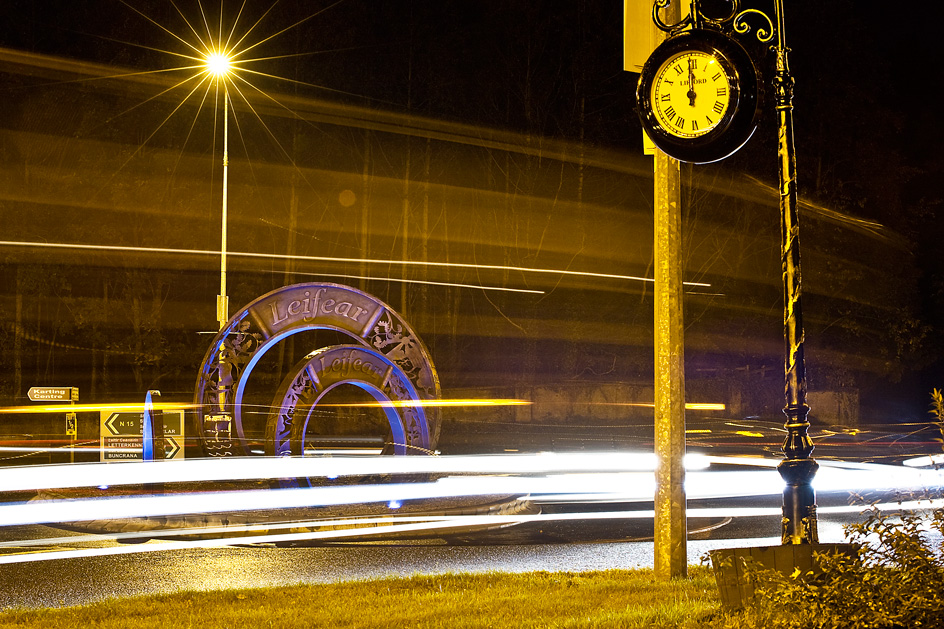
(404, 349)
(261, 325)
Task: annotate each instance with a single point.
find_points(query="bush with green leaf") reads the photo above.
(896, 579)
(937, 411)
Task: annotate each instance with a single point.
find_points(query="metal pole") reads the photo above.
(72, 426)
(798, 468)
(670, 529)
(222, 301)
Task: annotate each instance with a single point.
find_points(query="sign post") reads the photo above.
(53, 394)
(60, 394)
(122, 437)
(153, 429)
(71, 423)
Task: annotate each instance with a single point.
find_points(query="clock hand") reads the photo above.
(691, 85)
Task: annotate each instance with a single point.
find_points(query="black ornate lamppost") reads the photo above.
(698, 101)
(798, 468)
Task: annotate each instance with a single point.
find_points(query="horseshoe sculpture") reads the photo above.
(330, 367)
(379, 336)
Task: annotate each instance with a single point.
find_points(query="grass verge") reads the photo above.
(612, 598)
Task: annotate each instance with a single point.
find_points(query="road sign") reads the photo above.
(53, 394)
(121, 438)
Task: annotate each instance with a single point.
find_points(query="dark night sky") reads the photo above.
(866, 99)
(475, 60)
(865, 75)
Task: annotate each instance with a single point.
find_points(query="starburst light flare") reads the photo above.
(218, 64)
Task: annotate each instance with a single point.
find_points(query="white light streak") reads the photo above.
(556, 480)
(261, 468)
(427, 282)
(925, 461)
(392, 526)
(279, 256)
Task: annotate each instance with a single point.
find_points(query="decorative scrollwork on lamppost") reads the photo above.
(697, 18)
(798, 467)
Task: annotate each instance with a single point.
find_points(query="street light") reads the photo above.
(218, 65)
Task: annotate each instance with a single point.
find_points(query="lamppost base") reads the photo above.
(799, 501)
(734, 567)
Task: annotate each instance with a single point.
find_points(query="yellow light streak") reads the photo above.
(172, 406)
(689, 406)
(749, 433)
(65, 407)
(433, 403)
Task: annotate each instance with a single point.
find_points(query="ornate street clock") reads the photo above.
(697, 96)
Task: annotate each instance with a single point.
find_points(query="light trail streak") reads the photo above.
(690, 406)
(297, 258)
(256, 529)
(925, 461)
(833, 475)
(463, 402)
(263, 468)
(218, 542)
(398, 525)
(65, 407)
(560, 484)
(426, 282)
(59, 511)
(136, 407)
(65, 448)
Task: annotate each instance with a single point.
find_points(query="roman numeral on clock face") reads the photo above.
(718, 107)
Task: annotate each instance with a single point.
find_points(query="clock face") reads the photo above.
(690, 94)
(697, 97)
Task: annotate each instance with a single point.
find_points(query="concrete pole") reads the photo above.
(671, 558)
(670, 535)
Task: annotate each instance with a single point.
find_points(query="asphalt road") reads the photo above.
(77, 581)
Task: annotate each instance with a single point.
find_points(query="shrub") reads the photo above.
(895, 580)
(937, 411)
